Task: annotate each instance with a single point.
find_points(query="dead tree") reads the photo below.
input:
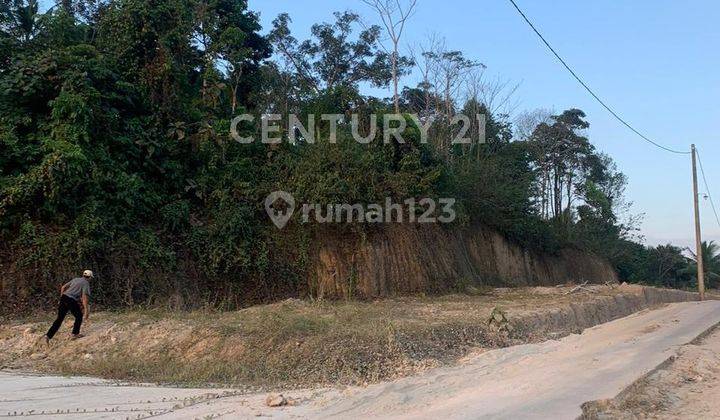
(394, 17)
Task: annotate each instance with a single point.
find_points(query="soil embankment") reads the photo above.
(300, 343)
(402, 260)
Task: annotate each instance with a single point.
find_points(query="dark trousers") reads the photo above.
(67, 304)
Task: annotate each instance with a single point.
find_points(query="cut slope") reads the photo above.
(400, 260)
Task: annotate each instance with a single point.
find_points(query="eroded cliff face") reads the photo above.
(429, 259)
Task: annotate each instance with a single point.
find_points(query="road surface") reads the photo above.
(545, 380)
(687, 388)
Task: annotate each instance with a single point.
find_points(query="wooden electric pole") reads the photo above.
(698, 234)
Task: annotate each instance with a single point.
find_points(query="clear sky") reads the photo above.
(655, 61)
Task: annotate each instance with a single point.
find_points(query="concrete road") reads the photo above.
(687, 388)
(546, 380)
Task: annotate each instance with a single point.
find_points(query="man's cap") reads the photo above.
(88, 273)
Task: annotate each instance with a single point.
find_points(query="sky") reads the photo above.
(654, 61)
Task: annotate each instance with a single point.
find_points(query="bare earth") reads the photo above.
(546, 380)
(686, 388)
(308, 344)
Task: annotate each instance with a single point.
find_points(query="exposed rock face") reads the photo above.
(429, 258)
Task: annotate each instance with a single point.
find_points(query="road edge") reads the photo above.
(590, 409)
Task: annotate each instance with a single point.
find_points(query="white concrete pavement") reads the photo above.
(545, 380)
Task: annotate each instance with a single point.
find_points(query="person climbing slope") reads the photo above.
(73, 294)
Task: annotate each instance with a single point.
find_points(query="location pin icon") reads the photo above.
(280, 217)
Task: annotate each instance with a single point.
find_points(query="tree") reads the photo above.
(450, 67)
(443, 72)
(497, 129)
(561, 155)
(394, 16)
(89, 172)
(227, 37)
(666, 266)
(495, 94)
(20, 20)
(332, 59)
(525, 122)
(425, 63)
(711, 259)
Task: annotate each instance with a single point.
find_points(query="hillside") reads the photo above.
(132, 149)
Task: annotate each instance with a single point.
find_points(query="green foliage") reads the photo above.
(115, 153)
(711, 260)
(333, 58)
(497, 191)
(664, 265)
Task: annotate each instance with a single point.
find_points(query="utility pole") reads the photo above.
(698, 234)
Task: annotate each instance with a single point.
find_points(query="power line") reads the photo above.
(707, 187)
(614, 114)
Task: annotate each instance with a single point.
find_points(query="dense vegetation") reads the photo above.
(116, 154)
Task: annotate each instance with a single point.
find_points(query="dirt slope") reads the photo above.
(299, 343)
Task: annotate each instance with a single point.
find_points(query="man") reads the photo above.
(72, 294)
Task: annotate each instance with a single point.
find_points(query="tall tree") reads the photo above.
(450, 69)
(561, 156)
(334, 59)
(394, 15)
(227, 36)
